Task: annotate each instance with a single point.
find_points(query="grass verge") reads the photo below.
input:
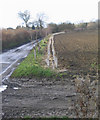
(31, 67)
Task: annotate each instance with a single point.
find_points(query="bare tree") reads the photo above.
(41, 18)
(25, 16)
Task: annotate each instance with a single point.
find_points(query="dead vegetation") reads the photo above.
(86, 104)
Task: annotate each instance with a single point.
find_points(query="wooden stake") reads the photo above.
(34, 53)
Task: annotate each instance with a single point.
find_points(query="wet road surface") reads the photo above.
(10, 59)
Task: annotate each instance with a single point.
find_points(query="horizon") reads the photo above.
(56, 11)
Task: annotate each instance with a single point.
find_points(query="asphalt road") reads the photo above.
(9, 59)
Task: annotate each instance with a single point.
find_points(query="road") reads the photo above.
(10, 59)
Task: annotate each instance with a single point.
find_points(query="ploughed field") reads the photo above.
(77, 50)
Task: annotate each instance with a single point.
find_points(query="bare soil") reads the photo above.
(38, 98)
(77, 50)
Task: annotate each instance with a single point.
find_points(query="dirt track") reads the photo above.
(36, 98)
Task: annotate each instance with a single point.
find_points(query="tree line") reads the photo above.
(40, 23)
(37, 29)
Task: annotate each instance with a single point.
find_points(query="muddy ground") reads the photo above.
(38, 98)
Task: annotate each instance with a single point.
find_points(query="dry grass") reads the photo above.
(77, 50)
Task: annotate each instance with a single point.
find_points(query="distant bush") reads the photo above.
(53, 28)
(65, 27)
(61, 27)
(92, 25)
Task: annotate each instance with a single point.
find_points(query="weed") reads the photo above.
(27, 117)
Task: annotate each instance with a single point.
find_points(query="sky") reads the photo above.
(57, 11)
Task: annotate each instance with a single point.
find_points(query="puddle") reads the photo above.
(3, 87)
(15, 88)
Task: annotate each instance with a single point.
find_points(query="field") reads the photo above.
(39, 91)
(77, 50)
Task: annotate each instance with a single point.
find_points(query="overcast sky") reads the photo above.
(56, 10)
